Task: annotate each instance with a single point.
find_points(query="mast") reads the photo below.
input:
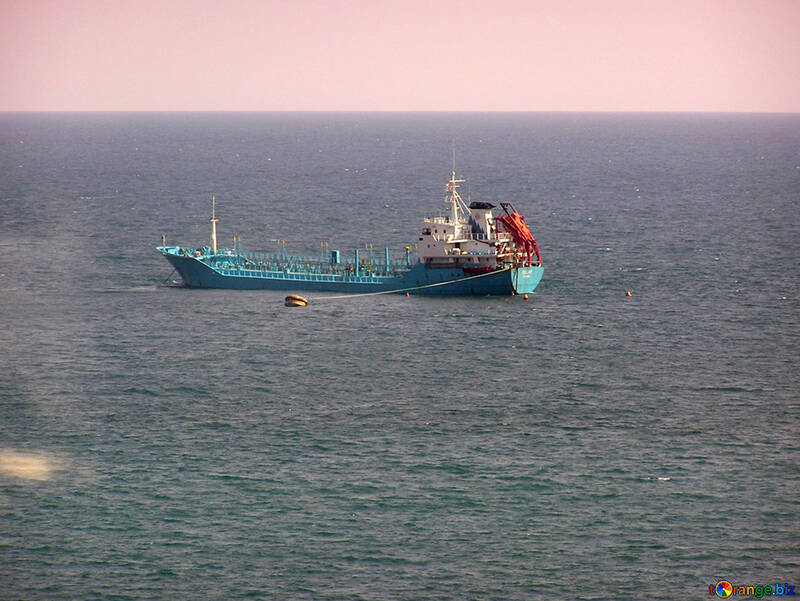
(214, 221)
(452, 197)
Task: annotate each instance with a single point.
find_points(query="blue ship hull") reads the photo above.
(236, 273)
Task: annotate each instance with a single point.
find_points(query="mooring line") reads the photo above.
(472, 277)
(164, 281)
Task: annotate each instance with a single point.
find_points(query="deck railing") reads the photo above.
(259, 264)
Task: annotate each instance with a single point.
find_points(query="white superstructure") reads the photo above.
(466, 236)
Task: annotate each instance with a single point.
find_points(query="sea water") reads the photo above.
(158, 442)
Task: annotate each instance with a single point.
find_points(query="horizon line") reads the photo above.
(398, 111)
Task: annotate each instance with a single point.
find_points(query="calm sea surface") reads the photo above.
(158, 442)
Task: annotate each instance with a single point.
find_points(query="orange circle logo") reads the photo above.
(723, 589)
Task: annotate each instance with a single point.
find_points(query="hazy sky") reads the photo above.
(518, 55)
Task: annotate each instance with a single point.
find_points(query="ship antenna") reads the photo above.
(214, 221)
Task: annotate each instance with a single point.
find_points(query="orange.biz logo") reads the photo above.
(725, 589)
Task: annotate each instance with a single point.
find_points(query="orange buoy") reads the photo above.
(525, 296)
(408, 294)
(629, 293)
(295, 300)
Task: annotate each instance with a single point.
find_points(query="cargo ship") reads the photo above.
(468, 250)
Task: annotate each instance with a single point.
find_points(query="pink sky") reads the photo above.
(454, 55)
